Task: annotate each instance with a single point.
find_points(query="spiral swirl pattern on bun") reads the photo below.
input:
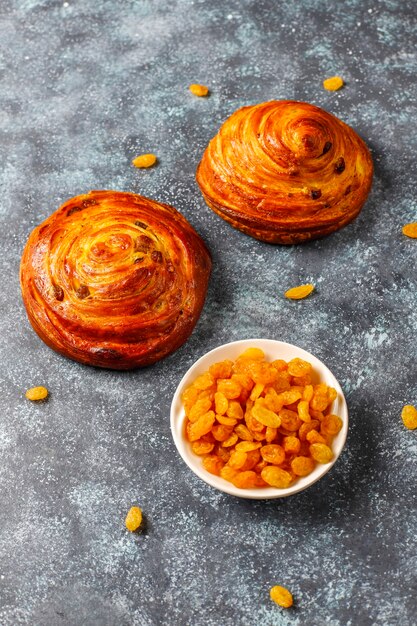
(285, 172)
(114, 279)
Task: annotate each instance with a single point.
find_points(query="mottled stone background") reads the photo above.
(84, 87)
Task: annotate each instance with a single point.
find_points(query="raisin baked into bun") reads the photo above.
(114, 280)
(285, 172)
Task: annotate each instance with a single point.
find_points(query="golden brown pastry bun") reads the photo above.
(285, 172)
(114, 280)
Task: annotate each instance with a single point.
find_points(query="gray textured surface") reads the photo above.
(84, 87)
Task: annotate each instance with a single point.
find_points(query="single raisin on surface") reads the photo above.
(36, 393)
(144, 161)
(298, 293)
(199, 90)
(410, 230)
(409, 416)
(333, 84)
(281, 596)
(133, 519)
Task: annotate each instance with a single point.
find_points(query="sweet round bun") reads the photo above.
(114, 280)
(285, 172)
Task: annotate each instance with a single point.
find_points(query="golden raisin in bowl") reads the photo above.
(252, 404)
(266, 419)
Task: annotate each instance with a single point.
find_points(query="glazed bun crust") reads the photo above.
(114, 279)
(285, 172)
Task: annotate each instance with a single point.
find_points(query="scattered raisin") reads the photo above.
(410, 230)
(133, 519)
(199, 90)
(327, 146)
(141, 224)
(281, 596)
(409, 416)
(298, 293)
(144, 160)
(333, 84)
(36, 393)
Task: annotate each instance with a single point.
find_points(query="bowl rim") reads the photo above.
(193, 461)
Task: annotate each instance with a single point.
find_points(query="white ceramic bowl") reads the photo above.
(273, 350)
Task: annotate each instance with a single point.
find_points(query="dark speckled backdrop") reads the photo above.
(87, 85)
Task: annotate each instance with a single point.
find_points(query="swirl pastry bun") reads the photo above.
(114, 280)
(285, 172)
